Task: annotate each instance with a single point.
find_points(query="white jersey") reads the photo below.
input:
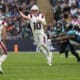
(36, 26)
(2, 24)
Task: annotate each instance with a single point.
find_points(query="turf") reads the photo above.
(33, 66)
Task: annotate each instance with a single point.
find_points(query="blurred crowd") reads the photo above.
(18, 28)
(65, 12)
(65, 9)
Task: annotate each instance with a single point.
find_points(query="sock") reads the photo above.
(2, 58)
(3, 48)
(49, 59)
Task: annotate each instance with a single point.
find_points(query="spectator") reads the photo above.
(58, 12)
(71, 2)
(78, 3)
(73, 10)
(16, 25)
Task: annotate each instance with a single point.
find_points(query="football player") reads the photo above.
(37, 22)
(3, 37)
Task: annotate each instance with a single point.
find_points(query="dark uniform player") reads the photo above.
(59, 30)
(70, 35)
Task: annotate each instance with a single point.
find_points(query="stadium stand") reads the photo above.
(55, 10)
(17, 28)
(46, 9)
(67, 11)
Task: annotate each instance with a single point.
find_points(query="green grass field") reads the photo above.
(32, 66)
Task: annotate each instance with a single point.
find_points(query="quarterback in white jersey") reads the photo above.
(37, 22)
(3, 36)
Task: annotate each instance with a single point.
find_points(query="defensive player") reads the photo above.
(73, 38)
(37, 22)
(71, 34)
(3, 37)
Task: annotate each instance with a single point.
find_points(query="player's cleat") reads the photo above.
(78, 60)
(66, 54)
(49, 64)
(1, 70)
